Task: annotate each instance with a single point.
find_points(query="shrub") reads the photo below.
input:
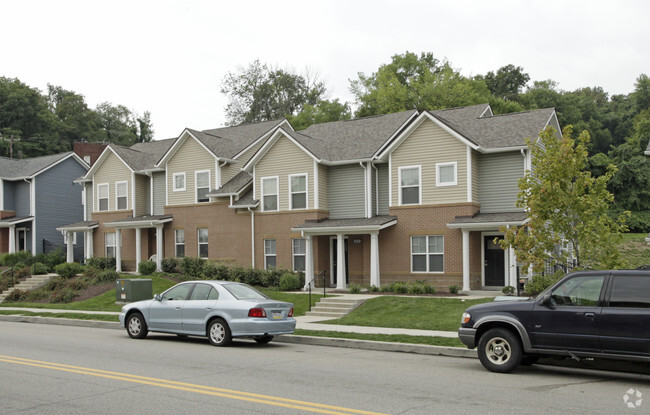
(508, 290)
(78, 284)
(192, 267)
(169, 265)
(51, 259)
(400, 288)
(539, 283)
(16, 296)
(22, 272)
(454, 289)
(355, 289)
(289, 282)
(54, 284)
(107, 275)
(39, 269)
(10, 260)
(414, 287)
(68, 270)
(102, 263)
(146, 267)
(64, 295)
(373, 289)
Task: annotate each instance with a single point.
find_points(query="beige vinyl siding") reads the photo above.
(189, 158)
(347, 192)
(498, 181)
(111, 171)
(231, 170)
(322, 187)
(383, 189)
(159, 193)
(425, 147)
(142, 195)
(475, 175)
(284, 158)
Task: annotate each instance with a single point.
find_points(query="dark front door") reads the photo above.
(494, 262)
(335, 260)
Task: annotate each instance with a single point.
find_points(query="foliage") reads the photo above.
(68, 270)
(322, 111)
(102, 263)
(39, 269)
(192, 267)
(261, 93)
(146, 267)
(508, 290)
(454, 289)
(51, 259)
(289, 282)
(507, 82)
(169, 265)
(567, 207)
(11, 260)
(540, 282)
(373, 289)
(355, 289)
(22, 272)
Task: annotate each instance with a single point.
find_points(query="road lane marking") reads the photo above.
(189, 387)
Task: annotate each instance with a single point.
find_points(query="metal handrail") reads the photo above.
(324, 293)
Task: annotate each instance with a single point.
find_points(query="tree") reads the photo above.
(260, 93)
(566, 206)
(420, 82)
(323, 111)
(117, 124)
(507, 82)
(641, 94)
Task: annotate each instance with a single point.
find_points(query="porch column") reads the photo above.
(466, 285)
(512, 267)
(340, 262)
(88, 242)
(69, 239)
(12, 239)
(309, 263)
(138, 246)
(118, 250)
(374, 259)
(159, 247)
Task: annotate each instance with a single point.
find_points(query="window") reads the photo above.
(298, 186)
(630, 291)
(121, 190)
(269, 194)
(409, 184)
(179, 242)
(109, 244)
(579, 291)
(102, 196)
(179, 182)
(203, 242)
(446, 174)
(269, 254)
(178, 293)
(204, 292)
(427, 253)
(202, 186)
(298, 249)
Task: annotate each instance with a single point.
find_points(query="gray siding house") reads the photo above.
(37, 195)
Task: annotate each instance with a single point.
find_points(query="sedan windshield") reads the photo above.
(241, 291)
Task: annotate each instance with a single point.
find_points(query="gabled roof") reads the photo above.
(12, 169)
(138, 157)
(234, 186)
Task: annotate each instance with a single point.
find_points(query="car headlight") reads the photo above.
(466, 318)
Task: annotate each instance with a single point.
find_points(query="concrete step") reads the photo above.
(320, 308)
(324, 314)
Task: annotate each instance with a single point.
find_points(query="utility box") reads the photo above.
(133, 290)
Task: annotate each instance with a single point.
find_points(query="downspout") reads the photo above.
(252, 237)
(218, 178)
(32, 212)
(366, 205)
(150, 174)
(376, 188)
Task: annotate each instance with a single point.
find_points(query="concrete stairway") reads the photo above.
(31, 283)
(335, 307)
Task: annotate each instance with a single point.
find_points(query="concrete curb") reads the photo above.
(308, 340)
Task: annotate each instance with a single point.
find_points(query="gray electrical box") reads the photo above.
(133, 290)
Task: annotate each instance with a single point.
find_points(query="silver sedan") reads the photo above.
(220, 310)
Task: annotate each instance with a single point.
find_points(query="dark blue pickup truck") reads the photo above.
(596, 314)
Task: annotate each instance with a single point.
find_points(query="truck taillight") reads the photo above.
(256, 312)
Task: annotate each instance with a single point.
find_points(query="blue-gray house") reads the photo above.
(37, 195)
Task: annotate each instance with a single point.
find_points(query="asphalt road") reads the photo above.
(72, 370)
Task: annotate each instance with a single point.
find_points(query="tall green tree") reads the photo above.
(507, 82)
(567, 207)
(260, 93)
(323, 111)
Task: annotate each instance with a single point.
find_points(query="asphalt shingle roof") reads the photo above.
(234, 185)
(12, 168)
(142, 156)
(227, 142)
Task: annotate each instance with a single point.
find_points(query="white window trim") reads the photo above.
(179, 189)
(426, 254)
(176, 244)
(399, 184)
(199, 243)
(276, 194)
(455, 166)
(273, 255)
(196, 182)
(126, 195)
(291, 193)
(293, 253)
(108, 197)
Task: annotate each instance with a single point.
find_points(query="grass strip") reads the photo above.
(394, 338)
(73, 316)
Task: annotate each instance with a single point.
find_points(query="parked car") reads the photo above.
(220, 310)
(587, 314)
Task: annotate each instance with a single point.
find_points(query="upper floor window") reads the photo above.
(298, 186)
(446, 174)
(102, 196)
(179, 182)
(121, 199)
(202, 185)
(269, 193)
(427, 253)
(409, 184)
(203, 242)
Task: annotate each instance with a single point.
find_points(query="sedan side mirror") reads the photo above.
(157, 297)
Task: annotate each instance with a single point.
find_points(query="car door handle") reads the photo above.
(590, 315)
(178, 307)
(208, 308)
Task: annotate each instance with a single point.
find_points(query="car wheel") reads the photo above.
(263, 339)
(136, 326)
(219, 333)
(499, 350)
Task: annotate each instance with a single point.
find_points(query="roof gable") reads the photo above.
(11, 169)
(279, 133)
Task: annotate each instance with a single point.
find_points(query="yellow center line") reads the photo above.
(189, 387)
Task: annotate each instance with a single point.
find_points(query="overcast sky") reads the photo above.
(170, 58)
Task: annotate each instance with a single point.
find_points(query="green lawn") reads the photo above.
(423, 313)
(635, 250)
